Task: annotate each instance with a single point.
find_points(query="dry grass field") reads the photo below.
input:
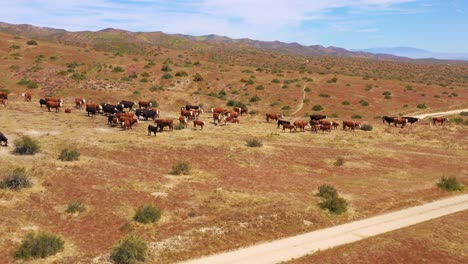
(235, 195)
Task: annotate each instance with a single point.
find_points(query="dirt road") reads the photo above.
(302, 101)
(300, 245)
(453, 112)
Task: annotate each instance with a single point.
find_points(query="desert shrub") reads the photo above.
(457, 120)
(317, 108)
(369, 87)
(69, 155)
(23, 81)
(255, 98)
(254, 143)
(324, 95)
(145, 74)
(75, 206)
(409, 87)
(179, 126)
(129, 251)
(166, 68)
(332, 80)
(197, 77)
(327, 191)
(26, 145)
(286, 107)
(356, 116)
(181, 167)
(260, 87)
(387, 97)
(450, 184)
(307, 89)
(464, 113)
(166, 76)
(16, 180)
(31, 42)
(181, 74)
(13, 47)
(334, 115)
(367, 127)
(339, 162)
(421, 106)
(118, 69)
(253, 112)
(125, 79)
(155, 88)
(146, 214)
(32, 85)
(236, 103)
(39, 246)
(306, 101)
(336, 205)
(275, 81)
(77, 76)
(364, 103)
(345, 103)
(386, 93)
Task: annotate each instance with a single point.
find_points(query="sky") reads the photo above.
(435, 25)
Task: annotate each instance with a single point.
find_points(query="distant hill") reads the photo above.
(416, 53)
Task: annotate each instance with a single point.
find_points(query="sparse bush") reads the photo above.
(364, 103)
(254, 143)
(421, 106)
(23, 81)
(339, 162)
(155, 88)
(181, 74)
(236, 104)
(275, 81)
(332, 80)
(387, 97)
(367, 127)
(197, 77)
(356, 116)
(129, 251)
(457, 120)
(75, 206)
(31, 42)
(154, 103)
(345, 103)
(255, 98)
(336, 205)
(317, 108)
(16, 180)
(181, 167)
(26, 145)
(386, 93)
(324, 95)
(32, 85)
(334, 115)
(464, 113)
(118, 69)
(307, 89)
(69, 155)
(179, 126)
(166, 76)
(39, 246)
(260, 87)
(409, 88)
(327, 191)
(146, 214)
(450, 184)
(166, 68)
(286, 107)
(13, 47)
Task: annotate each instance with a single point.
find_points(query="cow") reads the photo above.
(165, 122)
(288, 126)
(52, 104)
(150, 113)
(440, 120)
(241, 111)
(218, 110)
(325, 122)
(144, 104)
(93, 108)
(335, 125)
(325, 128)
(3, 140)
(42, 102)
(138, 113)
(3, 95)
(218, 118)
(79, 102)
(3, 102)
(351, 124)
(315, 127)
(282, 122)
(152, 129)
(273, 116)
(183, 120)
(198, 123)
(194, 107)
(318, 117)
(110, 120)
(67, 110)
(54, 99)
(232, 119)
(301, 125)
(233, 114)
(399, 121)
(411, 120)
(127, 123)
(109, 109)
(27, 97)
(186, 113)
(126, 104)
(388, 119)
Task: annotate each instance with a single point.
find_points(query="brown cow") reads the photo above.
(27, 97)
(198, 123)
(351, 124)
(325, 128)
(52, 104)
(440, 120)
(400, 121)
(126, 115)
(144, 104)
(54, 99)
(186, 113)
(315, 127)
(3, 95)
(3, 102)
(335, 125)
(218, 110)
(325, 122)
(273, 117)
(288, 126)
(183, 120)
(301, 125)
(165, 122)
(79, 102)
(233, 114)
(127, 123)
(241, 111)
(218, 118)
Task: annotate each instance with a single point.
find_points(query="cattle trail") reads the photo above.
(302, 101)
(453, 112)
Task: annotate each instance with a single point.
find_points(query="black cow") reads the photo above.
(110, 119)
(127, 104)
(138, 113)
(109, 109)
(282, 122)
(42, 102)
(153, 129)
(318, 117)
(120, 107)
(3, 140)
(190, 107)
(388, 119)
(92, 109)
(411, 120)
(147, 113)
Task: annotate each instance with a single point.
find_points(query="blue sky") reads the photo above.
(440, 26)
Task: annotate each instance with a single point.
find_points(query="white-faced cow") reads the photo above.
(27, 96)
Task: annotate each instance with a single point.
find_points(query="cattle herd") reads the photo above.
(117, 116)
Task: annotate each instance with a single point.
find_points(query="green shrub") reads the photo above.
(254, 99)
(324, 95)
(31, 42)
(118, 69)
(166, 68)
(369, 87)
(16, 180)
(13, 47)
(41, 245)
(356, 116)
(275, 81)
(23, 81)
(181, 167)
(336, 205)
(386, 93)
(146, 214)
(409, 88)
(457, 120)
(254, 143)
(78, 76)
(286, 107)
(32, 85)
(145, 74)
(332, 80)
(450, 184)
(155, 88)
(307, 90)
(260, 87)
(339, 162)
(69, 155)
(75, 206)
(364, 103)
(154, 103)
(26, 145)
(129, 251)
(166, 76)
(421, 106)
(345, 103)
(197, 77)
(317, 108)
(367, 127)
(387, 97)
(464, 113)
(327, 191)
(181, 74)
(236, 104)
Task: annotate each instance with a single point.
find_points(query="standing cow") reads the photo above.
(3, 140)
(27, 97)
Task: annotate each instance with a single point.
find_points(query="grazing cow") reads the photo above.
(188, 114)
(411, 120)
(109, 109)
(3, 95)
(165, 122)
(351, 124)
(400, 121)
(241, 111)
(315, 127)
(3, 140)
(301, 125)
(282, 122)
(314, 122)
(317, 117)
(325, 128)
(273, 116)
(335, 125)
(440, 120)
(3, 102)
(79, 102)
(144, 104)
(93, 108)
(138, 113)
(325, 122)
(110, 120)
(193, 107)
(27, 97)
(67, 110)
(218, 110)
(233, 114)
(388, 119)
(183, 120)
(218, 118)
(52, 104)
(198, 123)
(127, 123)
(126, 104)
(152, 129)
(54, 99)
(150, 113)
(42, 102)
(288, 126)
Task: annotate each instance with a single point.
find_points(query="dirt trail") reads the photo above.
(302, 101)
(452, 112)
(300, 245)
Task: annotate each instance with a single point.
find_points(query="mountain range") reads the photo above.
(416, 53)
